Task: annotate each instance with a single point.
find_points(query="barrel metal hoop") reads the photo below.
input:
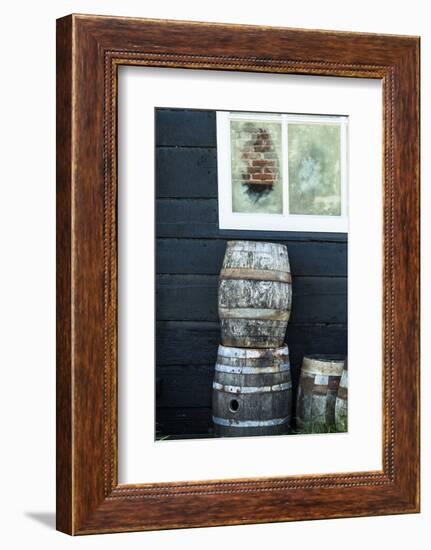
(260, 314)
(342, 394)
(251, 389)
(255, 274)
(329, 369)
(241, 353)
(233, 423)
(284, 367)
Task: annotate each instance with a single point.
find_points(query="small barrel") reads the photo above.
(254, 295)
(341, 404)
(317, 391)
(252, 392)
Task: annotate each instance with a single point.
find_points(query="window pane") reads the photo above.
(314, 169)
(256, 165)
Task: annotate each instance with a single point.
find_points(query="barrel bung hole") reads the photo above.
(234, 405)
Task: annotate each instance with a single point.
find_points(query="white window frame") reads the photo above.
(284, 221)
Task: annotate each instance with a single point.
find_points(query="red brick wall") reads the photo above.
(260, 161)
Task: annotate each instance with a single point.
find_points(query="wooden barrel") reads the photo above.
(255, 292)
(341, 404)
(252, 392)
(317, 391)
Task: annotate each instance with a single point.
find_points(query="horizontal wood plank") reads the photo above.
(194, 298)
(183, 420)
(186, 343)
(320, 300)
(205, 257)
(196, 343)
(178, 127)
(184, 172)
(195, 217)
(190, 386)
(185, 386)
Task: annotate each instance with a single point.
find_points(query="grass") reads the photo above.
(314, 427)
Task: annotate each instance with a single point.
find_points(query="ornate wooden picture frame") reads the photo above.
(89, 51)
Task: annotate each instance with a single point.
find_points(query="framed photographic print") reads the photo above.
(238, 274)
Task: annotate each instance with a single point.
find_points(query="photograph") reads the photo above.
(251, 273)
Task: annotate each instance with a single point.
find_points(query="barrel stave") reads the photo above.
(260, 365)
(254, 294)
(249, 333)
(341, 407)
(256, 255)
(241, 293)
(252, 392)
(317, 391)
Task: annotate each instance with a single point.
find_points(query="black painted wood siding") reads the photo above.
(189, 254)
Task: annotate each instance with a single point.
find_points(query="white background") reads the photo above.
(27, 275)
(143, 460)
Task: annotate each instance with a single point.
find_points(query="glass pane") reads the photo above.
(257, 184)
(314, 169)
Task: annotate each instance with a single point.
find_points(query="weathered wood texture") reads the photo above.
(90, 49)
(252, 392)
(174, 339)
(189, 258)
(64, 449)
(341, 403)
(188, 297)
(184, 421)
(190, 128)
(254, 294)
(201, 256)
(317, 391)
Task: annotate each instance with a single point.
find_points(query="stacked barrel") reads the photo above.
(252, 389)
(341, 403)
(321, 404)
